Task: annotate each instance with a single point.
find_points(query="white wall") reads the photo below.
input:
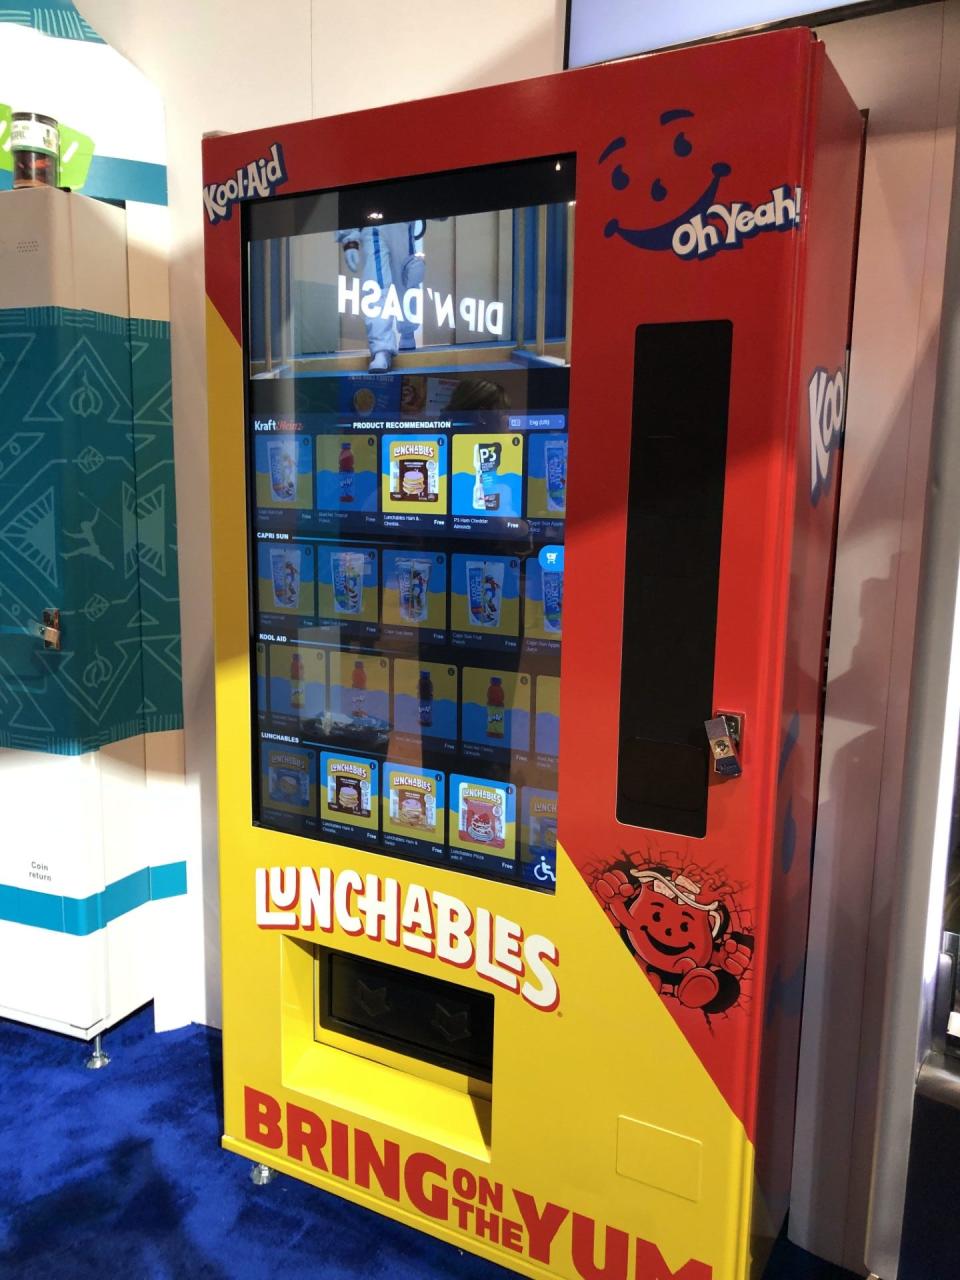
(233, 65)
(905, 68)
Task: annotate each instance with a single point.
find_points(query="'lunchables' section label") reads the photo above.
(482, 820)
(285, 574)
(298, 681)
(495, 713)
(349, 795)
(289, 781)
(348, 587)
(347, 475)
(413, 809)
(283, 472)
(425, 703)
(485, 601)
(415, 594)
(487, 478)
(413, 483)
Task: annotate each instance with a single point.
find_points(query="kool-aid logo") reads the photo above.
(258, 178)
(826, 396)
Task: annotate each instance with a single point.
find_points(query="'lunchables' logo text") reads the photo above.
(257, 179)
(427, 922)
(727, 226)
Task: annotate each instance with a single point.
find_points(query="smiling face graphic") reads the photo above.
(660, 235)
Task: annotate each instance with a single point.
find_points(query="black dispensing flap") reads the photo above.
(426, 1018)
(674, 522)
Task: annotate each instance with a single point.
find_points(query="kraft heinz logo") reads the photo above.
(426, 922)
(258, 178)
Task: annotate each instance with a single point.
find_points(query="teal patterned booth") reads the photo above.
(87, 526)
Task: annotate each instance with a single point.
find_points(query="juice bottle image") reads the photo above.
(358, 683)
(425, 699)
(298, 691)
(345, 469)
(495, 711)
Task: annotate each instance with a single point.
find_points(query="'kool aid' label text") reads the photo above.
(826, 395)
(258, 178)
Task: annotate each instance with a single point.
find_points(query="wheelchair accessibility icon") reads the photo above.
(543, 871)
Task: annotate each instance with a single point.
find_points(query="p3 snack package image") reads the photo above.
(487, 476)
(347, 586)
(284, 473)
(482, 817)
(350, 793)
(285, 572)
(414, 475)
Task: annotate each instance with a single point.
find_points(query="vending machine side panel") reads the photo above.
(813, 460)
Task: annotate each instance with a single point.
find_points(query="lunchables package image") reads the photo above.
(414, 475)
(347, 583)
(413, 801)
(285, 572)
(546, 476)
(349, 791)
(538, 835)
(485, 595)
(283, 478)
(487, 475)
(289, 783)
(482, 816)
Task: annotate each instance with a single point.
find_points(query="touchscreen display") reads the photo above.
(408, 347)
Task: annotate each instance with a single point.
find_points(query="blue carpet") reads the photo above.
(120, 1172)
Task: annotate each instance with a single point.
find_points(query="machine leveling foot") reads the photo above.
(261, 1174)
(98, 1058)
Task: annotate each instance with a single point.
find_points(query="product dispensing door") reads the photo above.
(525, 415)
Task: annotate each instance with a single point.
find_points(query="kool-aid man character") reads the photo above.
(684, 944)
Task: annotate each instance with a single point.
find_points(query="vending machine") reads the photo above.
(526, 408)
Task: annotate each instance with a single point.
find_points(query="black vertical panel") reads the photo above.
(681, 389)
